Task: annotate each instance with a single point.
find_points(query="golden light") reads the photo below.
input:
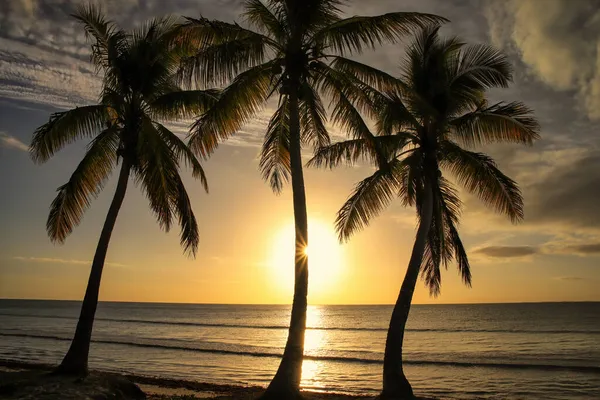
(314, 341)
(307, 251)
(325, 256)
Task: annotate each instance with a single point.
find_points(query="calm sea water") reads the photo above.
(502, 351)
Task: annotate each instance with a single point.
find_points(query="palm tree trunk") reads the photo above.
(76, 359)
(395, 384)
(286, 383)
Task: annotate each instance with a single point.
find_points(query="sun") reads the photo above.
(325, 256)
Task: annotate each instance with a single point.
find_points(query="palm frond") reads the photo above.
(218, 64)
(502, 122)
(348, 151)
(274, 162)
(480, 175)
(236, 105)
(180, 202)
(411, 179)
(157, 31)
(182, 104)
(155, 171)
(109, 41)
(313, 117)
(345, 95)
(182, 152)
(460, 254)
(432, 258)
(265, 20)
(481, 66)
(393, 115)
(351, 151)
(373, 77)
(443, 242)
(115, 100)
(332, 83)
(370, 196)
(420, 54)
(152, 59)
(310, 16)
(88, 179)
(65, 127)
(202, 33)
(352, 35)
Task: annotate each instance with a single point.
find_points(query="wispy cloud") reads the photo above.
(12, 142)
(507, 251)
(49, 260)
(584, 249)
(568, 278)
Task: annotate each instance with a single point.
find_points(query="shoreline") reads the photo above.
(164, 388)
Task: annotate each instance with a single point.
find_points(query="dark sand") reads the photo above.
(31, 381)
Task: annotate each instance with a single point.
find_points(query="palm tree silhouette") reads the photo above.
(138, 91)
(287, 53)
(422, 119)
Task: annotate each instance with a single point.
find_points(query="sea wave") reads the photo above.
(317, 328)
(546, 367)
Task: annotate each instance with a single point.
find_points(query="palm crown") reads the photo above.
(288, 52)
(138, 91)
(422, 119)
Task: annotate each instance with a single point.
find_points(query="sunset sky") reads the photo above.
(246, 238)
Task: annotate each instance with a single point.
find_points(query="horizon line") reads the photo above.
(289, 304)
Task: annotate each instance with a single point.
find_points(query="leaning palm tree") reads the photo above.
(287, 56)
(424, 121)
(138, 91)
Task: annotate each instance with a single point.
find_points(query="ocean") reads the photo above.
(484, 351)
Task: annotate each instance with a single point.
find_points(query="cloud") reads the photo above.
(44, 56)
(569, 194)
(587, 249)
(569, 278)
(558, 39)
(12, 142)
(554, 247)
(48, 260)
(593, 248)
(507, 251)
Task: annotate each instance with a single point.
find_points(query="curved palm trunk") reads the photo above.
(286, 383)
(76, 359)
(395, 384)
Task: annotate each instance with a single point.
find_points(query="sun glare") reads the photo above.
(307, 251)
(324, 256)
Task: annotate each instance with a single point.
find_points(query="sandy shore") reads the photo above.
(157, 388)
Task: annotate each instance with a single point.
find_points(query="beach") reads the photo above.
(157, 388)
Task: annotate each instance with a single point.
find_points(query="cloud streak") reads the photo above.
(507, 251)
(49, 260)
(569, 278)
(12, 142)
(586, 249)
(514, 252)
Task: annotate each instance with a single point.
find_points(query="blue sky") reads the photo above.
(553, 255)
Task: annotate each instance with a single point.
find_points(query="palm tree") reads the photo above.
(138, 91)
(424, 121)
(287, 55)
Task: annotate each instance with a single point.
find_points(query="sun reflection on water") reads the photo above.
(314, 342)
